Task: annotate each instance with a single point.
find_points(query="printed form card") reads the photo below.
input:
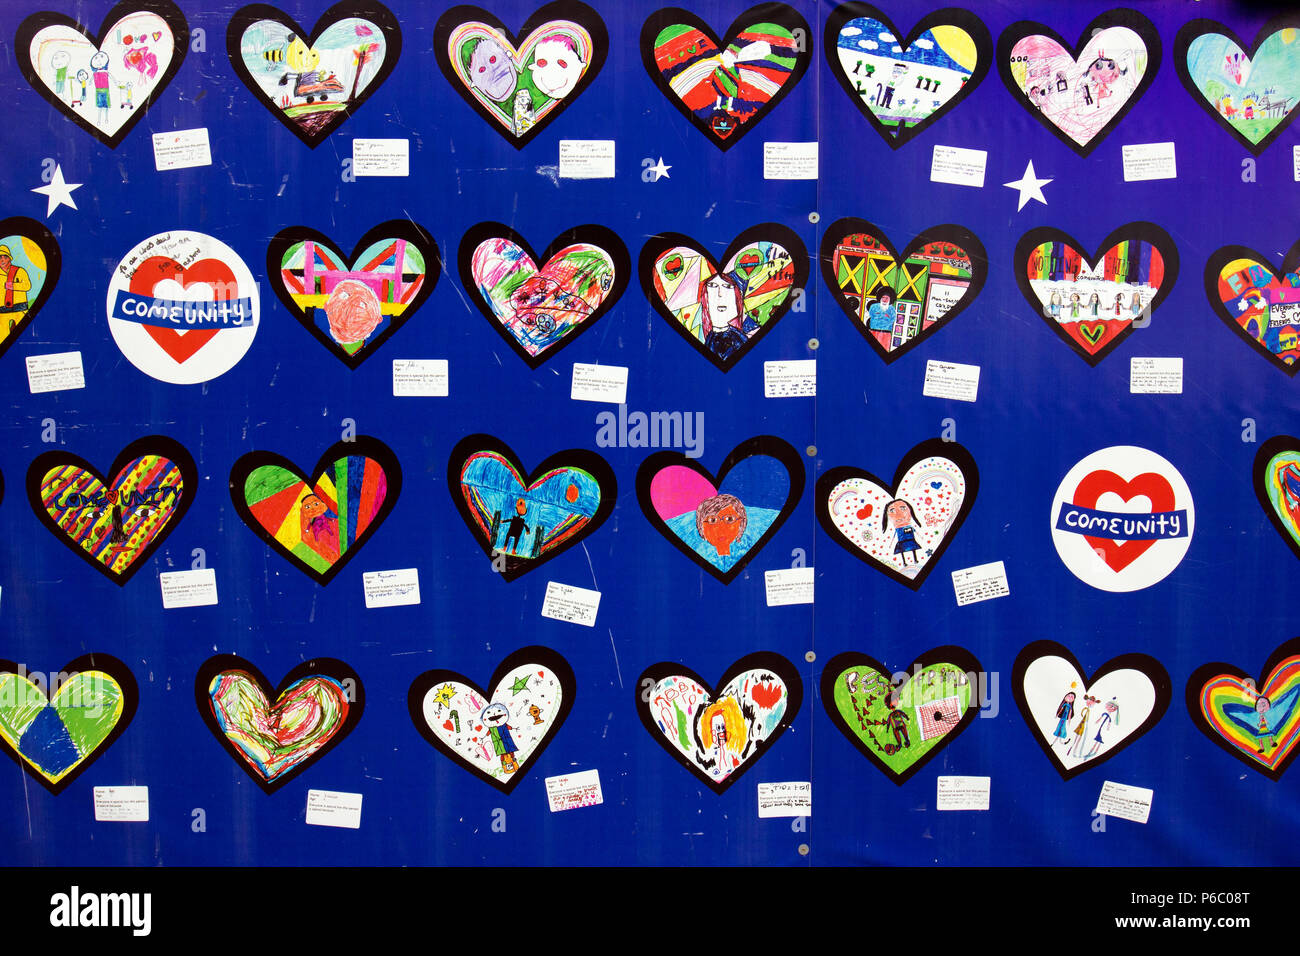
(420, 378)
(793, 379)
(181, 149)
(792, 799)
(599, 383)
(330, 808)
(197, 588)
(958, 167)
(1147, 161)
(962, 793)
(1127, 803)
(586, 159)
(573, 790)
(381, 157)
(789, 160)
(951, 380)
(122, 804)
(56, 372)
(981, 583)
(391, 588)
(564, 602)
(788, 586)
(1155, 376)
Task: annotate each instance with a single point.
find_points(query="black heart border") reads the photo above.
(318, 667)
(599, 236)
(572, 10)
(1196, 683)
(534, 654)
(948, 654)
(931, 446)
(49, 246)
(149, 445)
(1145, 663)
(1274, 445)
(370, 10)
(1214, 265)
(759, 660)
(412, 232)
(1147, 232)
(768, 445)
(168, 11)
(778, 13)
(948, 232)
(361, 445)
(1193, 30)
(783, 236)
(115, 669)
(954, 16)
(582, 458)
(1119, 17)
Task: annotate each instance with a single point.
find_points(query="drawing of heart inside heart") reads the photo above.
(183, 307)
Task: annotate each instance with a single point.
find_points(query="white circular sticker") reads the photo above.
(1122, 519)
(182, 307)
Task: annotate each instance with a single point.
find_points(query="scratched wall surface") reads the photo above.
(1040, 409)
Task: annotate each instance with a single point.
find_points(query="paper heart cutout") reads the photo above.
(939, 273)
(1253, 95)
(114, 529)
(722, 522)
(1081, 93)
(353, 304)
(33, 271)
(1081, 722)
(1089, 302)
(719, 735)
(563, 500)
(521, 86)
(936, 66)
(902, 727)
(1260, 305)
(55, 736)
(725, 87)
(750, 293)
(134, 57)
(539, 310)
(318, 523)
(1276, 479)
(496, 736)
(274, 734)
(312, 83)
(904, 544)
(1223, 703)
(1151, 486)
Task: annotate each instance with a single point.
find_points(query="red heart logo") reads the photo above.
(1149, 484)
(156, 269)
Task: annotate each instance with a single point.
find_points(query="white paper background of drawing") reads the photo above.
(456, 714)
(1049, 679)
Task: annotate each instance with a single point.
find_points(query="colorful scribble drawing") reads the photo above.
(1093, 305)
(903, 723)
(100, 84)
(525, 520)
(718, 735)
(726, 86)
(354, 305)
(520, 87)
(1080, 96)
(320, 521)
(1253, 94)
(1256, 722)
(1263, 304)
(724, 308)
(276, 733)
(897, 301)
(313, 83)
(57, 736)
(497, 733)
(902, 87)
(1277, 485)
(540, 305)
(114, 524)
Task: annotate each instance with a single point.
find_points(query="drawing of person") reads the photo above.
(82, 79)
(1136, 305)
(1074, 305)
(124, 94)
(59, 61)
(1076, 748)
(16, 281)
(491, 71)
(556, 66)
(1103, 72)
(1119, 304)
(899, 515)
(727, 80)
(1054, 305)
(896, 720)
(882, 315)
(1064, 712)
(1110, 714)
(516, 526)
(721, 521)
(1094, 305)
(496, 717)
(722, 304)
(1262, 707)
(319, 527)
(719, 727)
(100, 79)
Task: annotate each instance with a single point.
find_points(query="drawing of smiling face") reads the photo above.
(720, 300)
(556, 67)
(494, 715)
(490, 70)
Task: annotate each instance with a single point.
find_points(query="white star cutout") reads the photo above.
(660, 170)
(1030, 186)
(58, 192)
